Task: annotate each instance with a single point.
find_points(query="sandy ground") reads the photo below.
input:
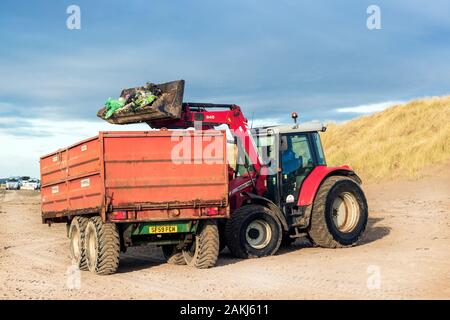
(405, 253)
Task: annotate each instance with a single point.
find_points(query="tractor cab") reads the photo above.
(290, 153)
(300, 195)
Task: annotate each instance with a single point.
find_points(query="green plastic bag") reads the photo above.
(112, 105)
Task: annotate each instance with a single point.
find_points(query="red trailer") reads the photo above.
(164, 187)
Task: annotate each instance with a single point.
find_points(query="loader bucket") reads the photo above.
(165, 107)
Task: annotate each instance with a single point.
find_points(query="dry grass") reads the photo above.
(402, 141)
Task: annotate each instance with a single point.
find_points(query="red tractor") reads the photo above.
(281, 187)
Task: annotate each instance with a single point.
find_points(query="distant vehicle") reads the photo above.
(2, 183)
(13, 184)
(31, 184)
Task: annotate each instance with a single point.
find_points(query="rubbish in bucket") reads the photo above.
(145, 104)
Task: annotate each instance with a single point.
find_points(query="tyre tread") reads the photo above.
(108, 247)
(208, 246)
(235, 223)
(81, 224)
(318, 231)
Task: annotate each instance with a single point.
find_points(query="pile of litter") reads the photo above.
(144, 104)
(131, 101)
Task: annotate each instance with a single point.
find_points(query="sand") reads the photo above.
(404, 254)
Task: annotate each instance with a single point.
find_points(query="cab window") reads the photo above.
(297, 161)
(318, 147)
(295, 153)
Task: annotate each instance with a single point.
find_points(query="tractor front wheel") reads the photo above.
(339, 213)
(253, 231)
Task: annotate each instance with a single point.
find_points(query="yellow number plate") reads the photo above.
(162, 229)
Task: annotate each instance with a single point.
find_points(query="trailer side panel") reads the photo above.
(146, 175)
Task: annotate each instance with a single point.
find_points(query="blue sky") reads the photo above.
(271, 57)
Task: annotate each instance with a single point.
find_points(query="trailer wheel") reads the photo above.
(173, 255)
(77, 237)
(253, 231)
(339, 213)
(203, 252)
(102, 246)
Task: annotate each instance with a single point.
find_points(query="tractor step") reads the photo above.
(297, 212)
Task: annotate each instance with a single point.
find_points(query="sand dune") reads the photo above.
(405, 141)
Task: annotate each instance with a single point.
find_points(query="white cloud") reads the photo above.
(6, 107)
(264, 122)
(369, 108)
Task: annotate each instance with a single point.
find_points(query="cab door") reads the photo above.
(297, 160)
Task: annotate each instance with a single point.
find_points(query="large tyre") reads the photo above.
(173, 255)
(253, 231)
(77, 237)
(204, 250)
(339, 213)
(102, 245)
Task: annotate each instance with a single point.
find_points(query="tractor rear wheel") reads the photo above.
(173, 255)
(253, 231)
(203, 252)
(102, 245)
(339, 213)
(77, 238)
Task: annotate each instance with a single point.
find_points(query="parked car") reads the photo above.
(2, 183)
(31, 184)
(13, 184)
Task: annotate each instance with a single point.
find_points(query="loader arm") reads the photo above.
(200, 116)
